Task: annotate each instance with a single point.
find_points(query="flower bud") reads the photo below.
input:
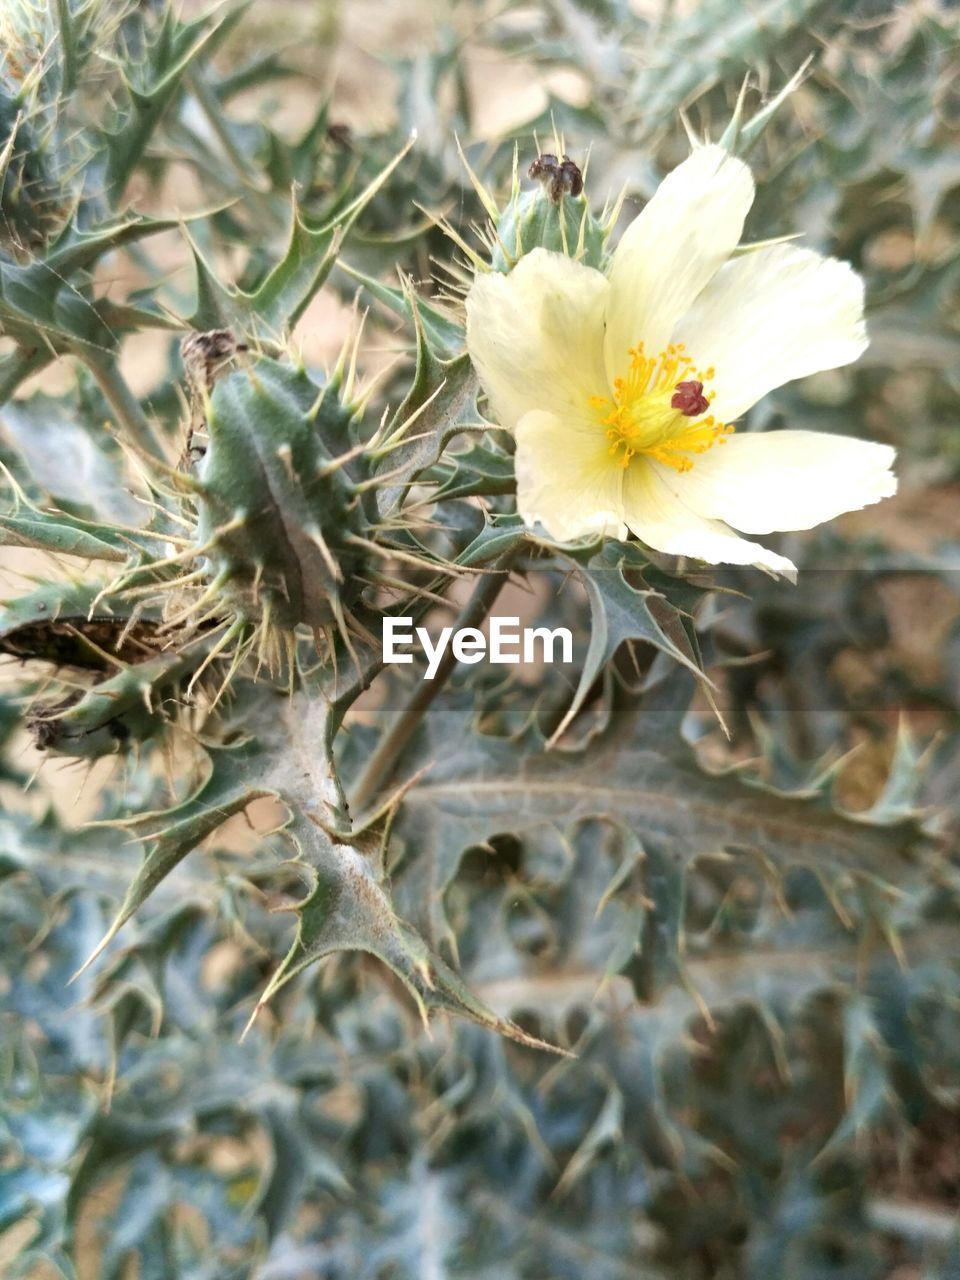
(553, 215)
(278, 510)
(35, 196)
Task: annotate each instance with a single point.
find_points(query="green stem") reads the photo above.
(20, 364)
(122, 401)
(384, 759)
(68, 47)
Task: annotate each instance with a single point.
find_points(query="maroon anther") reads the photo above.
(689, 399)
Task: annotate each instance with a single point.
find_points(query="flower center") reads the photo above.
(652, 409)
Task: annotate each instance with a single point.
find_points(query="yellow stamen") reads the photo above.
(640, 417)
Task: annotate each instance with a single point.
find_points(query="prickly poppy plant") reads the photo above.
(439, 840)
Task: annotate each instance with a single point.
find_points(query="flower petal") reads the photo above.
(672, 249)
(566, 479)
(536, 335)
(783, 480)
(658, 516)
(771, 316)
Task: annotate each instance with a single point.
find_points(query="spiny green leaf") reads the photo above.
(445, 335)
(29, 526)
(49, 622)
(480, 469)
(348, 910)
(465, 787)
(740, 137)
(279, 301)
(126, 707)
(621, 612)
(70, 463)
(151, 90)
(441, 402)
(60, 534)
(79, 248)
(499, 535)
(173, 834)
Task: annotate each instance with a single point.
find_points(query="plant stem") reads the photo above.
(123, 402)
(385, 757)
(68, 47)
(18, 366)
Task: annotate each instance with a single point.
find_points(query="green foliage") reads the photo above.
(358, 975)
(277, 509)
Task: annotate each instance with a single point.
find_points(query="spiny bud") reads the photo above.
(113, 715)
(34, 194)
(278, 504)
(32, 208)
(553, 215)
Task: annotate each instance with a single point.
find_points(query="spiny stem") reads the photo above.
(385, 757)
(123, 402)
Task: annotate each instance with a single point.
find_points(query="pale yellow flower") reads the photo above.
(623, 389)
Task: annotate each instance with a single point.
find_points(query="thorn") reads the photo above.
(345, 636)
(375, 382)
(290, 643)
(241, 653)
(395, 553)
(351, 378)
(688, 128)
(318, 540)
(358, 629)
(213, 592)
(264, 633)
(230, 634)
(478, 263)
(251, 1020)
(335, 464)
(486, 199)
(99, 949)
(257, 579)
(285, 454)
